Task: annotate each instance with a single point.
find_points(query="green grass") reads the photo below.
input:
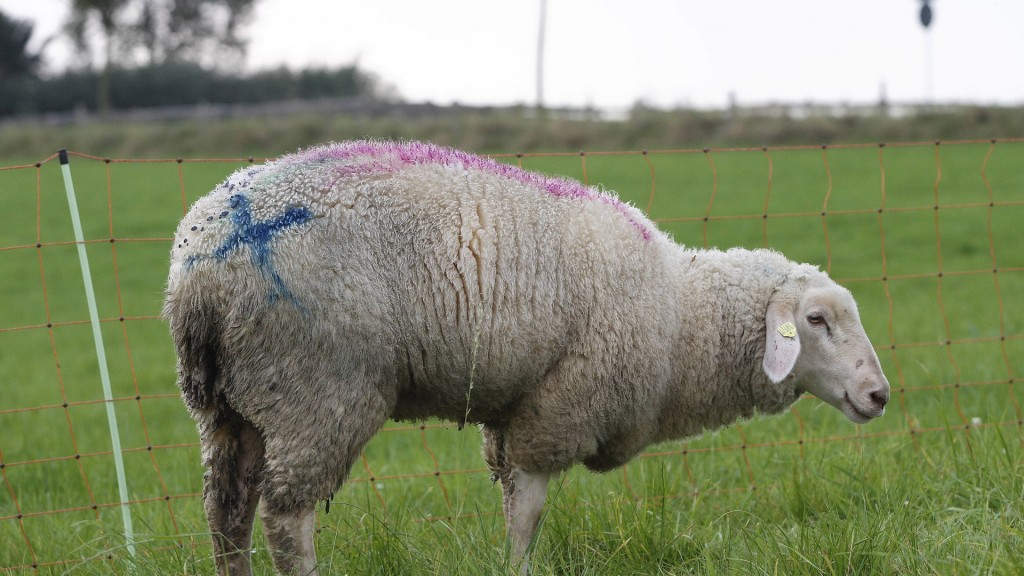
(925, 490)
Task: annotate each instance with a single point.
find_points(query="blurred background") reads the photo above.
(506, 76)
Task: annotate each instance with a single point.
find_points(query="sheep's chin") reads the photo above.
(842, 403)
(852, 412)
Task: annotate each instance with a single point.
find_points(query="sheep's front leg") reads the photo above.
(524, 501)
(290, 539)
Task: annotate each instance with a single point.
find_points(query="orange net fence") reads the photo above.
(926, 235)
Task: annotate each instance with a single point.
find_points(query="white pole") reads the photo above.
(540, 53)
(929, 88)
(101, 355)
(926, 15)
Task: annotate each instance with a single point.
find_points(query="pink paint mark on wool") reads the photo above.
(368, 157)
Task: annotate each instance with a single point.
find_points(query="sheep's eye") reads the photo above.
(816, 319)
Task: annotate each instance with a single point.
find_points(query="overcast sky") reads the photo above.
(610, 54)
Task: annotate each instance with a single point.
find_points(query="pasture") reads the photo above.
(926, 236)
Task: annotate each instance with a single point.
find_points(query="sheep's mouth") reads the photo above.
(856, 414)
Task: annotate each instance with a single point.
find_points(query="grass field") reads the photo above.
(927, 237)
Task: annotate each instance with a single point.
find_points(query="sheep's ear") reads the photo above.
(782, 343)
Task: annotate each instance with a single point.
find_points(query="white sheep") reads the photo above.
(314, 297)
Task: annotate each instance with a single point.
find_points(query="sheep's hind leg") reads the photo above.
(307, 463)
(233, 451)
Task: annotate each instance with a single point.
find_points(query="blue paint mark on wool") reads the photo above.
(257, 236)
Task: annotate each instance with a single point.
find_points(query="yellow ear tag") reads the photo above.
(788, 330)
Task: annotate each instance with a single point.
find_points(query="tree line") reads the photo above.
(147, 53)
(177, 85)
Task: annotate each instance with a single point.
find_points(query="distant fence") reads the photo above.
(356, 107)
(926, 235)
(362, 107)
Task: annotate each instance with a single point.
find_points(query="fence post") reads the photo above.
(101, 355)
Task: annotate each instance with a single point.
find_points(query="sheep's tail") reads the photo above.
(197, 343)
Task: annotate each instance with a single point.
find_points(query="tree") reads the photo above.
(163, 31)
(107, 11)
(15, 58)
(154, 32)
(204, 32)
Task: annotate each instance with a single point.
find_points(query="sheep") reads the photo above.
(314, 297)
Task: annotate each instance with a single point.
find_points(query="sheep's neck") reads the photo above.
(721, 338)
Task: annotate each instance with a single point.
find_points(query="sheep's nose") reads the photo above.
(880, 397)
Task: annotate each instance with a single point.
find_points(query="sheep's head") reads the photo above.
(815, 341)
